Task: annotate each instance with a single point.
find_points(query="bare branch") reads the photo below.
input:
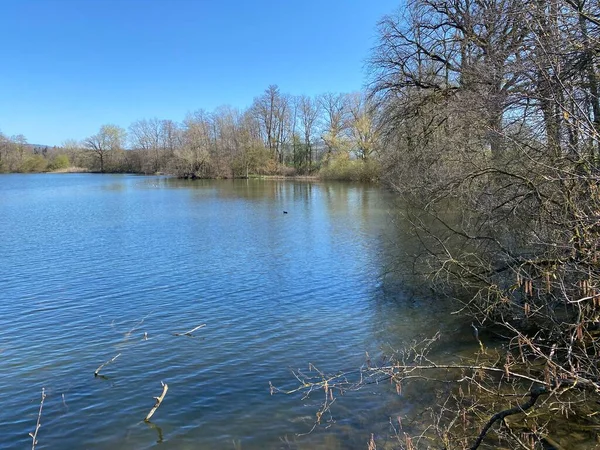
(97, 371)
(38, 424)
(159, 401)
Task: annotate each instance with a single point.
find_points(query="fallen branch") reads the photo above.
(533, 396)
(38, 424)
(396, 372)
(158, 401)
(189, 333)
(106, 363)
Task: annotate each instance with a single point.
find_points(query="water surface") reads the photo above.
(89, 264)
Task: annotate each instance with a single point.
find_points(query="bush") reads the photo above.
(34, 163)
(341, 167)
(59, 162)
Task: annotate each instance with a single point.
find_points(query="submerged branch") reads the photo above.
(159, 401)
(38, 424)
(97, 372)
(189, 333)
(533, 396)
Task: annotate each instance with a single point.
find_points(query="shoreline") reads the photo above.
(302, 178)
(283, 177)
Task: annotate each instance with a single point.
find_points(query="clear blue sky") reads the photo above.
(69, 66)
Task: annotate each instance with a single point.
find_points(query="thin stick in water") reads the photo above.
(38, 424)
(106, 363)
(137, 325)
(158, 401)
(189, 333)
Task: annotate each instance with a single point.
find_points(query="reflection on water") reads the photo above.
(92, 263)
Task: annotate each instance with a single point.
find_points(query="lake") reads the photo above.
(92, 266)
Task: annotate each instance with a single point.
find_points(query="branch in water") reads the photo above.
(533, 396)
(105, 364)
(159, 400)
(189, 333)
(38, 424)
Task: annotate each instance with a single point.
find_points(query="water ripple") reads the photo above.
(92, 263)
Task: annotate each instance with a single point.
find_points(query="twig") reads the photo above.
(533, 396)
(396, 371)
(138, 324)
(106, 363)
(189, 333)
(38, 425)
(158, 401)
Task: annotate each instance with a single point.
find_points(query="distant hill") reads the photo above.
(40, 148)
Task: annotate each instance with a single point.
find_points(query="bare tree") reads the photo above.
(441, 48)
(147, 135)
(362, 124)
(272, 111)
(335, 108)
(20, 145)
(309, 112)
(107, 141)
(4, 151)
(170, 137)
(75, 152)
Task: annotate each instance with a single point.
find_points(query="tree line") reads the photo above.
(279, 134)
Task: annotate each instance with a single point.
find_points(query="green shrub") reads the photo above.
(59, 162)
(34, 163)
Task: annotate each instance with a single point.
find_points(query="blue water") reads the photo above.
(90, 263)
